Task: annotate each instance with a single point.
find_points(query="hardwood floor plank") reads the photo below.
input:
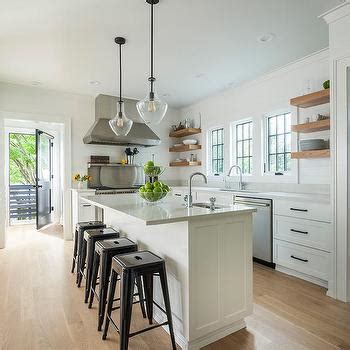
(42, 309)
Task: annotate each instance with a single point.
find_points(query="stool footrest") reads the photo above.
(148, 329)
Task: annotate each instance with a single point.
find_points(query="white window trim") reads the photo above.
(209, 171)
(264, 137)
(233, 151)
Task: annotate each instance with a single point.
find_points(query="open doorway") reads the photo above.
(30, 178)
(22, 178)
(33, 161)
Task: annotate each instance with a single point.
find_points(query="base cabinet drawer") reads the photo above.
(303, 210)
(86, 211)
(310, 233)
(306, 260)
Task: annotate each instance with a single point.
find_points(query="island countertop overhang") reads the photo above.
(170, 210)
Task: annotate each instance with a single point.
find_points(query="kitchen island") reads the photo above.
(208, 257)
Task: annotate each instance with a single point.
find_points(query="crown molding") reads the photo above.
(337, 12)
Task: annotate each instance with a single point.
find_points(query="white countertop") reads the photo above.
(171, 209)
(311, 197)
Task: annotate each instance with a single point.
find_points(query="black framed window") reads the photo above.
(217, 151)
(279, 143)
(244, 146)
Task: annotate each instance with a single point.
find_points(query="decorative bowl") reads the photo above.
(153, 197)
(190, 142)
(153, 171)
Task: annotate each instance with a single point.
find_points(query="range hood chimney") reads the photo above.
(100, 132)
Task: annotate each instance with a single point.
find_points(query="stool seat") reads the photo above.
(109, 245)
(139, 259)
(89, 224)
(97, 233)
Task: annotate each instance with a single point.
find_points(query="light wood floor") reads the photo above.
(41, 308)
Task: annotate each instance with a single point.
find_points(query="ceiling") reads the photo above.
(202, 46)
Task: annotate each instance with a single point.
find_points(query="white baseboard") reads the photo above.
(197, 344)
(303, 276)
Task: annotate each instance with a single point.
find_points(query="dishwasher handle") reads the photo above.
(256, 204)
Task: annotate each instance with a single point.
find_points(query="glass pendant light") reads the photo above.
(152, 109)
(120, 124)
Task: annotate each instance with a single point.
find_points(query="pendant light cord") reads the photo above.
(152, 79)
(120, 74)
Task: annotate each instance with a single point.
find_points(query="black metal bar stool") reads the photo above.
(129, 267)
(78, 238)
(87, 254)
(104, 252)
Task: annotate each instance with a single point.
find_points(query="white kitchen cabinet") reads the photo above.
(309, 233)
(304, 210)
(309, 261)
(303, 239)
(81, 210)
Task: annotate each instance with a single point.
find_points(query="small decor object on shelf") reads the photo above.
(326, 84)
(190, 142)
(322, 117)
(80, 179)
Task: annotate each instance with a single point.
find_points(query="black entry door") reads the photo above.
(43, 179)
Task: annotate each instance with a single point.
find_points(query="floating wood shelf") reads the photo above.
(185, 132)
(313, 99)
(184, 148)
(320, 153)
(320, 125)
(185, 163)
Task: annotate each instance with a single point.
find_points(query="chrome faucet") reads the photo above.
(240, 184)
(188, 198)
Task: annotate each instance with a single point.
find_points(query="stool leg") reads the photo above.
(141, 296)
(148, 284)
(110, 302)
(164, 283)
(95, 268)
(104, 278)
(81, 263)
(126, 298)
(89, 262)
(80, 240)
(75, 250)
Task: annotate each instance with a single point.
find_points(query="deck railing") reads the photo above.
(22, 202)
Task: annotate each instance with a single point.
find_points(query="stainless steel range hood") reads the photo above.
(100, 132)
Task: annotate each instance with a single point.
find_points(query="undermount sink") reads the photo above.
(208, 206)
(233, 190)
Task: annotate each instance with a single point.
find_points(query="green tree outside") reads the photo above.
(22, 154)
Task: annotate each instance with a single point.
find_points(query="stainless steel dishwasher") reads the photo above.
(262, 228)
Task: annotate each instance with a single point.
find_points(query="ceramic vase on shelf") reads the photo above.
(80, 185)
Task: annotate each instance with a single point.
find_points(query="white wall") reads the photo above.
(268, 94)
(81, 111)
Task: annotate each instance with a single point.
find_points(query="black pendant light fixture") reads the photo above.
(152, 109)
(120, 124)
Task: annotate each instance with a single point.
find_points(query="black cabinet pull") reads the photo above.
(177, 195)
(86, 205)
(300, 259)
(296, 209)
(298, 231)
